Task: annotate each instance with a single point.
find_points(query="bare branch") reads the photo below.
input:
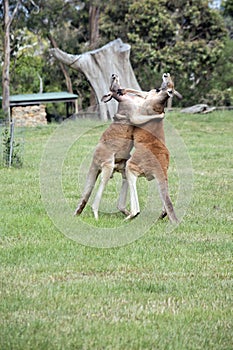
(37, 8)
(14, 13)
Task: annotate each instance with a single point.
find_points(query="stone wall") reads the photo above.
(29, 115)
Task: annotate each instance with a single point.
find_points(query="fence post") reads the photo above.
(11, 142)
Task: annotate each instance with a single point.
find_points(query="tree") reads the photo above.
(10, 11)
(221, 92)
(228, 16)
(228, 8)
(183, 37)
(6, 59)
(26, 61)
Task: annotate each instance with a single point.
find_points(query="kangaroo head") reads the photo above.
(168, 85)
(114, 83)
(114, 87)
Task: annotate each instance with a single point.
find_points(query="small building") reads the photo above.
(30, 109)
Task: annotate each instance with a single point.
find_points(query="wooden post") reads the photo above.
(11, 143)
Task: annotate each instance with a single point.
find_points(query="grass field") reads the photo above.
(167, 290)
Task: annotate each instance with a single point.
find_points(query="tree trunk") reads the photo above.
(64, 71)
(6, 64)
(93, 26)
(98, 66)
(93, 35)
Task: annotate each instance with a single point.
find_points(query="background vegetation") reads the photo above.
(190, 39)
(164, 291)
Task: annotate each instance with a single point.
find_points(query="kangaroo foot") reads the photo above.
(124, 211)
(131, 216)
(163, 215)
(80, 208)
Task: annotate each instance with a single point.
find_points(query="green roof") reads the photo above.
(32, 99)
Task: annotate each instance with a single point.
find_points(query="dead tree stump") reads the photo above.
(98, 66)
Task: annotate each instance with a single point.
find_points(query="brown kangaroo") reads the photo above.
(151, 157)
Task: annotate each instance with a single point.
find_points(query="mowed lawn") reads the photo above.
(167, 290)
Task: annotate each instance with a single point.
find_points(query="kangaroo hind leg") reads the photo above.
(134, 202)
(92, 176)
(121, 205)
(168, 206)
(107, 170)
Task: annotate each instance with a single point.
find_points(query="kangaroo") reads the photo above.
(151, 157)
(113, 148)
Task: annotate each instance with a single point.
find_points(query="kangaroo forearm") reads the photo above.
(142, 119)
(139, 93)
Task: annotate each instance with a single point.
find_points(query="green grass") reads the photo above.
(168, 290)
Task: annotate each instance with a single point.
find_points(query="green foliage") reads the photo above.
(219, 97)
(179, 37)
(56, 15)
(113, 23)
(228, 7)
(222, 78)
(183, 37)
(25, 74)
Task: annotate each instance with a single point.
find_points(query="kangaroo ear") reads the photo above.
(177, 94)
(107, 97)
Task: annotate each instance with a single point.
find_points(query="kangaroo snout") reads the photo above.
(114, 76)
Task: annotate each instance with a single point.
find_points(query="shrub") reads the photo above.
(11, 150)
(219, 97)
